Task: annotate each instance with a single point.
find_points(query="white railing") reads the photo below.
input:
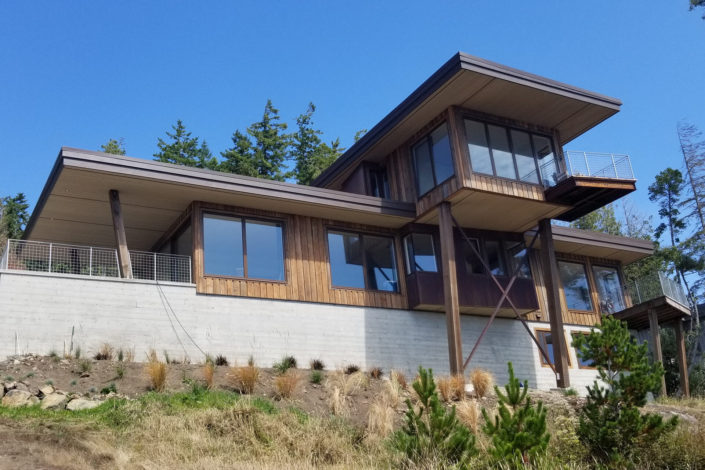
(23, 255)
(598, 165)
(654, 286)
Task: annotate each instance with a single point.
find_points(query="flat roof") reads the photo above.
(485, 86)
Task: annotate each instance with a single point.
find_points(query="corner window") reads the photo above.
(362, 261)
(516, 253)
(576, 288)
(609, 289)
(420, 253)
(495, 258)
(582, 364)
(473, 264)
(545, 338)
(510, 153)
(433, 160)
(239, 247)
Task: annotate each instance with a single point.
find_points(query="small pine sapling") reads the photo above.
(611, 424)
(433, 433)
(518, 431)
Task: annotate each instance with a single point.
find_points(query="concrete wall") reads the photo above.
(39, 311)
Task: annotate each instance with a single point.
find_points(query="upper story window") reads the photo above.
(420, 253)
(243, 247)
(609, 289)
(576, 288)
(502, 257)
(433, 160)
(378, 183)
(362, 261)
(511, 153)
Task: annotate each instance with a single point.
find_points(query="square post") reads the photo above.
(450, 288)
(656, 345)
(680, 353)
(120, 237)
(555, 313)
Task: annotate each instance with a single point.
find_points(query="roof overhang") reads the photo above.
(598, 245)
(484, 86)
(74, 205)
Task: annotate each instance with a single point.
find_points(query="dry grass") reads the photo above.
(393, 393)
(451, 388)
(156, 372)
(285, 385)
(244, 378)
(380, 419)
(444, 388)
(398, 377)
(482, 381)
(341, 386)
(376, 373)
(208, 369)
(105, 353)
(469, 414)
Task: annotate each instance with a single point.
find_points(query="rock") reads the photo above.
(47, 389)
(15, 398)
(53, 401)
(82, 404)
(64, 362)
(10, 385)
(2, 390)
(21, 386)
(15, 362)
(85, 374)
(32, 400)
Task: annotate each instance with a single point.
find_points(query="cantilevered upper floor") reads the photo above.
(489, 139)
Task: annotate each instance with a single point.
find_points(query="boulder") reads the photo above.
(10, 385)
(33, 400)
(15, 398)
(54, 401)
(47, 389)
(82, 404)
(21, 386)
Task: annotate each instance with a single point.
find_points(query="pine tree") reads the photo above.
(182, 149)
(310, 154)
(115, 147)
(238, 159)
(13, 216)
(518, 431)
(601, 220)
(433, 433)
(611, 424)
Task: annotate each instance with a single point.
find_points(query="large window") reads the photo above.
(433, 160)
(420, 253)
(609, 289)
(362, 261)
(240, 247)
(502, 257)
(510, 153)
(575, 285)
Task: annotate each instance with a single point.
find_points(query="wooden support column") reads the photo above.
(680, 352)
(120, 238)
(656, 345)
(555, 313)
(450, 288)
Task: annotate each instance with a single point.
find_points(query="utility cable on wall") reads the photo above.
(165, 299)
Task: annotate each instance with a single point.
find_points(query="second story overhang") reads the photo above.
(486, 87)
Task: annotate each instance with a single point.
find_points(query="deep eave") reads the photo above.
(593, 107)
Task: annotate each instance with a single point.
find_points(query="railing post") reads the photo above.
(155, 265)
(189, 270)
(614, 165)
(50, 246)
(587, 165)
(570, 163)
(90, 261)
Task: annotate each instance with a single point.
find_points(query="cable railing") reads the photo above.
(653, 286)
(598, 165)
(60, 258)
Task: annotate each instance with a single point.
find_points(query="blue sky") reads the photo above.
(78, 73)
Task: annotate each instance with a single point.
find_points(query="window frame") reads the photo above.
(541, 339)
(596, 296)
(591, 287)
(408, 269)
(575, 350)
(377, 174)
(362, 235)
(426, 139)
(244, 218)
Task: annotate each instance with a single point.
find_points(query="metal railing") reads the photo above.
(23, 255)
(598, 165)
(654, 286)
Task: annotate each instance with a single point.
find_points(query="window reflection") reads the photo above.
(473, 265)
(381, 269)
(433, 160)
(362, 261)
(265, 252)
(501, 153)
(575, 285)
(609, 289)
(420, 253)
(345, 252)
(222, 246)
(495, 261)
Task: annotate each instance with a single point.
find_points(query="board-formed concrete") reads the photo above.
(38, 313)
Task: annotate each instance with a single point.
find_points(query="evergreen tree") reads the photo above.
(693, 149)
(239, 158)
(13, 216)
(310, 154)
(359, 134)
(182, 149)
(611, 424)
(433, 433)
(116, 147)
(601, 220)
(518, 431)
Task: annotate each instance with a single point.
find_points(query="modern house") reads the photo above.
(428, 242)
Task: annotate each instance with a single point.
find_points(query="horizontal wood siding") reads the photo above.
(306, 264)
(504, 186)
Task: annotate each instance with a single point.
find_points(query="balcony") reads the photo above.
(591, 181)
(657, 293)
(93, 262)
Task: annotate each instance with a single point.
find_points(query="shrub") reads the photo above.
(156, 371)
(110, 388)
(570, 392)
(611, 424)
(316, 376)
(351, 369)
(244, 378)
(518, 431)
(208, 369)
(469, 414)
(73, 383)
(482, 381)
(317, 364)
(53, 354)
(120, 371)
(376, 373)
(85, 366)
(77, 353)
(433, 433)
(287, 362)
(120, 355)
(285, 384)
(105, 353)
(399, 378)
(221, 360)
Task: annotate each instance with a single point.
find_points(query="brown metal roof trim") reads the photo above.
(460, 61)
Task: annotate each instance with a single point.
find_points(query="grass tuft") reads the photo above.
(244, 378)
(208, 369)
(482, 381)
(376, 373)
(317, 364)
(287, 362)
(399, 377)
(316, 377)
(468, 412)
(156, 372)
(221, 360)
(351, 369)
(105, 353)
(285, 385)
